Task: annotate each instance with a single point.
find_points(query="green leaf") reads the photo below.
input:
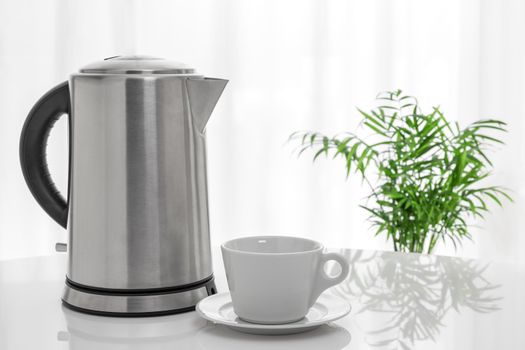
(318, 153)
(312, 138)
(342, 147)
(375, 129)
(494, 198)
(485, 137)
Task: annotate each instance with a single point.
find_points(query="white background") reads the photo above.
(292, 65)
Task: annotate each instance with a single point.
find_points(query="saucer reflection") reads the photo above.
(326, 337)
(402, 299)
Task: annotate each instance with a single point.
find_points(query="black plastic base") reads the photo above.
(208, 283)
(150, 291)
(128, 314)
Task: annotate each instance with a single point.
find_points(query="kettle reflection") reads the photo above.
(184, 332)
(88, 332)
(410, 294)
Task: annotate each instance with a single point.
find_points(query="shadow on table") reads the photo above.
(183, 332)
(410, 294)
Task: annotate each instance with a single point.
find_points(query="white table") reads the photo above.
(419, 302)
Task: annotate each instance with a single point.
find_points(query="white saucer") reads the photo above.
(218, 308)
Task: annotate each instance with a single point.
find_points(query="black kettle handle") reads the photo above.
(33, 141)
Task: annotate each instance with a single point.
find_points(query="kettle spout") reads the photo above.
(203, 95)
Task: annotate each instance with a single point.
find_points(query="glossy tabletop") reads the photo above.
(400, 301)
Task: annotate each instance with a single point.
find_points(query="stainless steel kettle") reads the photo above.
(136, 208)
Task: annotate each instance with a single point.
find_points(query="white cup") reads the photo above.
(276, 279)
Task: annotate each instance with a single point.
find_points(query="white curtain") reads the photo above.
(292, 65)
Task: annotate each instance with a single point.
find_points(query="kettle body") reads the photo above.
(137, 207)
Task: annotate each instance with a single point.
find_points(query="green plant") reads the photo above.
(429, 171)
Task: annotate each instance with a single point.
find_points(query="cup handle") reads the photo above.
(324, 281)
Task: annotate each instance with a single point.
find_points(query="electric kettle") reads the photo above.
(137, 207)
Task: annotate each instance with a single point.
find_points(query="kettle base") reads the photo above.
(134, 303)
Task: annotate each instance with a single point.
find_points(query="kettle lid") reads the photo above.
(136, 64)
